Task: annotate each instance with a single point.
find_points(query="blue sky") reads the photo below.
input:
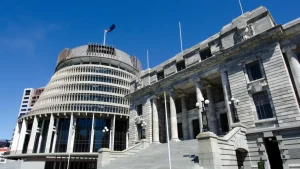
(32, 33)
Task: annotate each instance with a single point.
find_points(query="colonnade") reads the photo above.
(213, 122)
(46, 129)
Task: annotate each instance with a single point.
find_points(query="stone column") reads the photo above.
(32, 135)
(16, 137)
(49, 135)
(155, 121)
(185, 118)
(55, 136)
(199, 100)
(92, 134)
(41, 136)
(22, 137)
(71, 134)
(291, 54)
(173, 117)
(113, 133)
(211, 113)
(225, 85)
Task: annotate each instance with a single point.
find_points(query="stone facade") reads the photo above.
(243, 85)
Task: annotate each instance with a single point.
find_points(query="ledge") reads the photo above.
(265, 120)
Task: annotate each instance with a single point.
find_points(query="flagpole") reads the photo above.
(241, 7)
(180, 37)
(104, 37)
(148, 60)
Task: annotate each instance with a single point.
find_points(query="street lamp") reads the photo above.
(105, 130)
(234, 102)
(144, 125)
(204, 113)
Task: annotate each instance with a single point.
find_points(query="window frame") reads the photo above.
(267, 92)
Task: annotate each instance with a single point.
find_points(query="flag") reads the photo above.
(111, 28)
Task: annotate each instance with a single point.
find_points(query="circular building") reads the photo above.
(82, 108)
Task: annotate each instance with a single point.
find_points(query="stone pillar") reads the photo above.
(291, 54)
(32, 135)
(49, 135)
(71, 134)
(173, 117)
(225, 85)
(22, 137)
(92, 134)
(155, 121)
(185, 118)
(199, 100)
(211, 113)
(103, 157)
(113, 133)
(132, 125)
(209, 152)
(55, 136)
(16, 137)
(41, 136)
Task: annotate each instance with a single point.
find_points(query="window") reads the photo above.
(139, 109)
(23, 109)
(205, 54)
(25, 102)
(29, 109)
(180, 66)
(160, 75)
(253, 71)
(262, 104)
(26, 97)
(24, 105)
(27, 92)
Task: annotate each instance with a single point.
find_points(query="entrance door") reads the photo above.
(273, 153)
(224, 122)
(179, 129)
(196, 127)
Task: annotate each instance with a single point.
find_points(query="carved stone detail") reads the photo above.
(243, 33)
(256, 86)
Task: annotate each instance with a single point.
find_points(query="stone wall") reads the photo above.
(288, 143)
(275, 81)
(281, 90)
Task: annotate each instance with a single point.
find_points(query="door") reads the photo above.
(273, 153)
(196, 127)
(179, 129)
(224, 122)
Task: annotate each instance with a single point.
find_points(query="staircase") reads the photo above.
(128, 152)
(183, 156)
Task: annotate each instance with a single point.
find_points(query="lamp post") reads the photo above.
(234, 102)
(204, 114)
(105, 129)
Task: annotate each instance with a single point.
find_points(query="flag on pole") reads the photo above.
(111, 28)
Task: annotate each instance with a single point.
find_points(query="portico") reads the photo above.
(184, 112)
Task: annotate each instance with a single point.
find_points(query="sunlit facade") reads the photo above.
(82, 108)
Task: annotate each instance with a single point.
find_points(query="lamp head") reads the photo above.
(206, 102)
(197, 104)
(233, 99)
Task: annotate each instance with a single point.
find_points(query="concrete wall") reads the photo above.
(23, 165)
